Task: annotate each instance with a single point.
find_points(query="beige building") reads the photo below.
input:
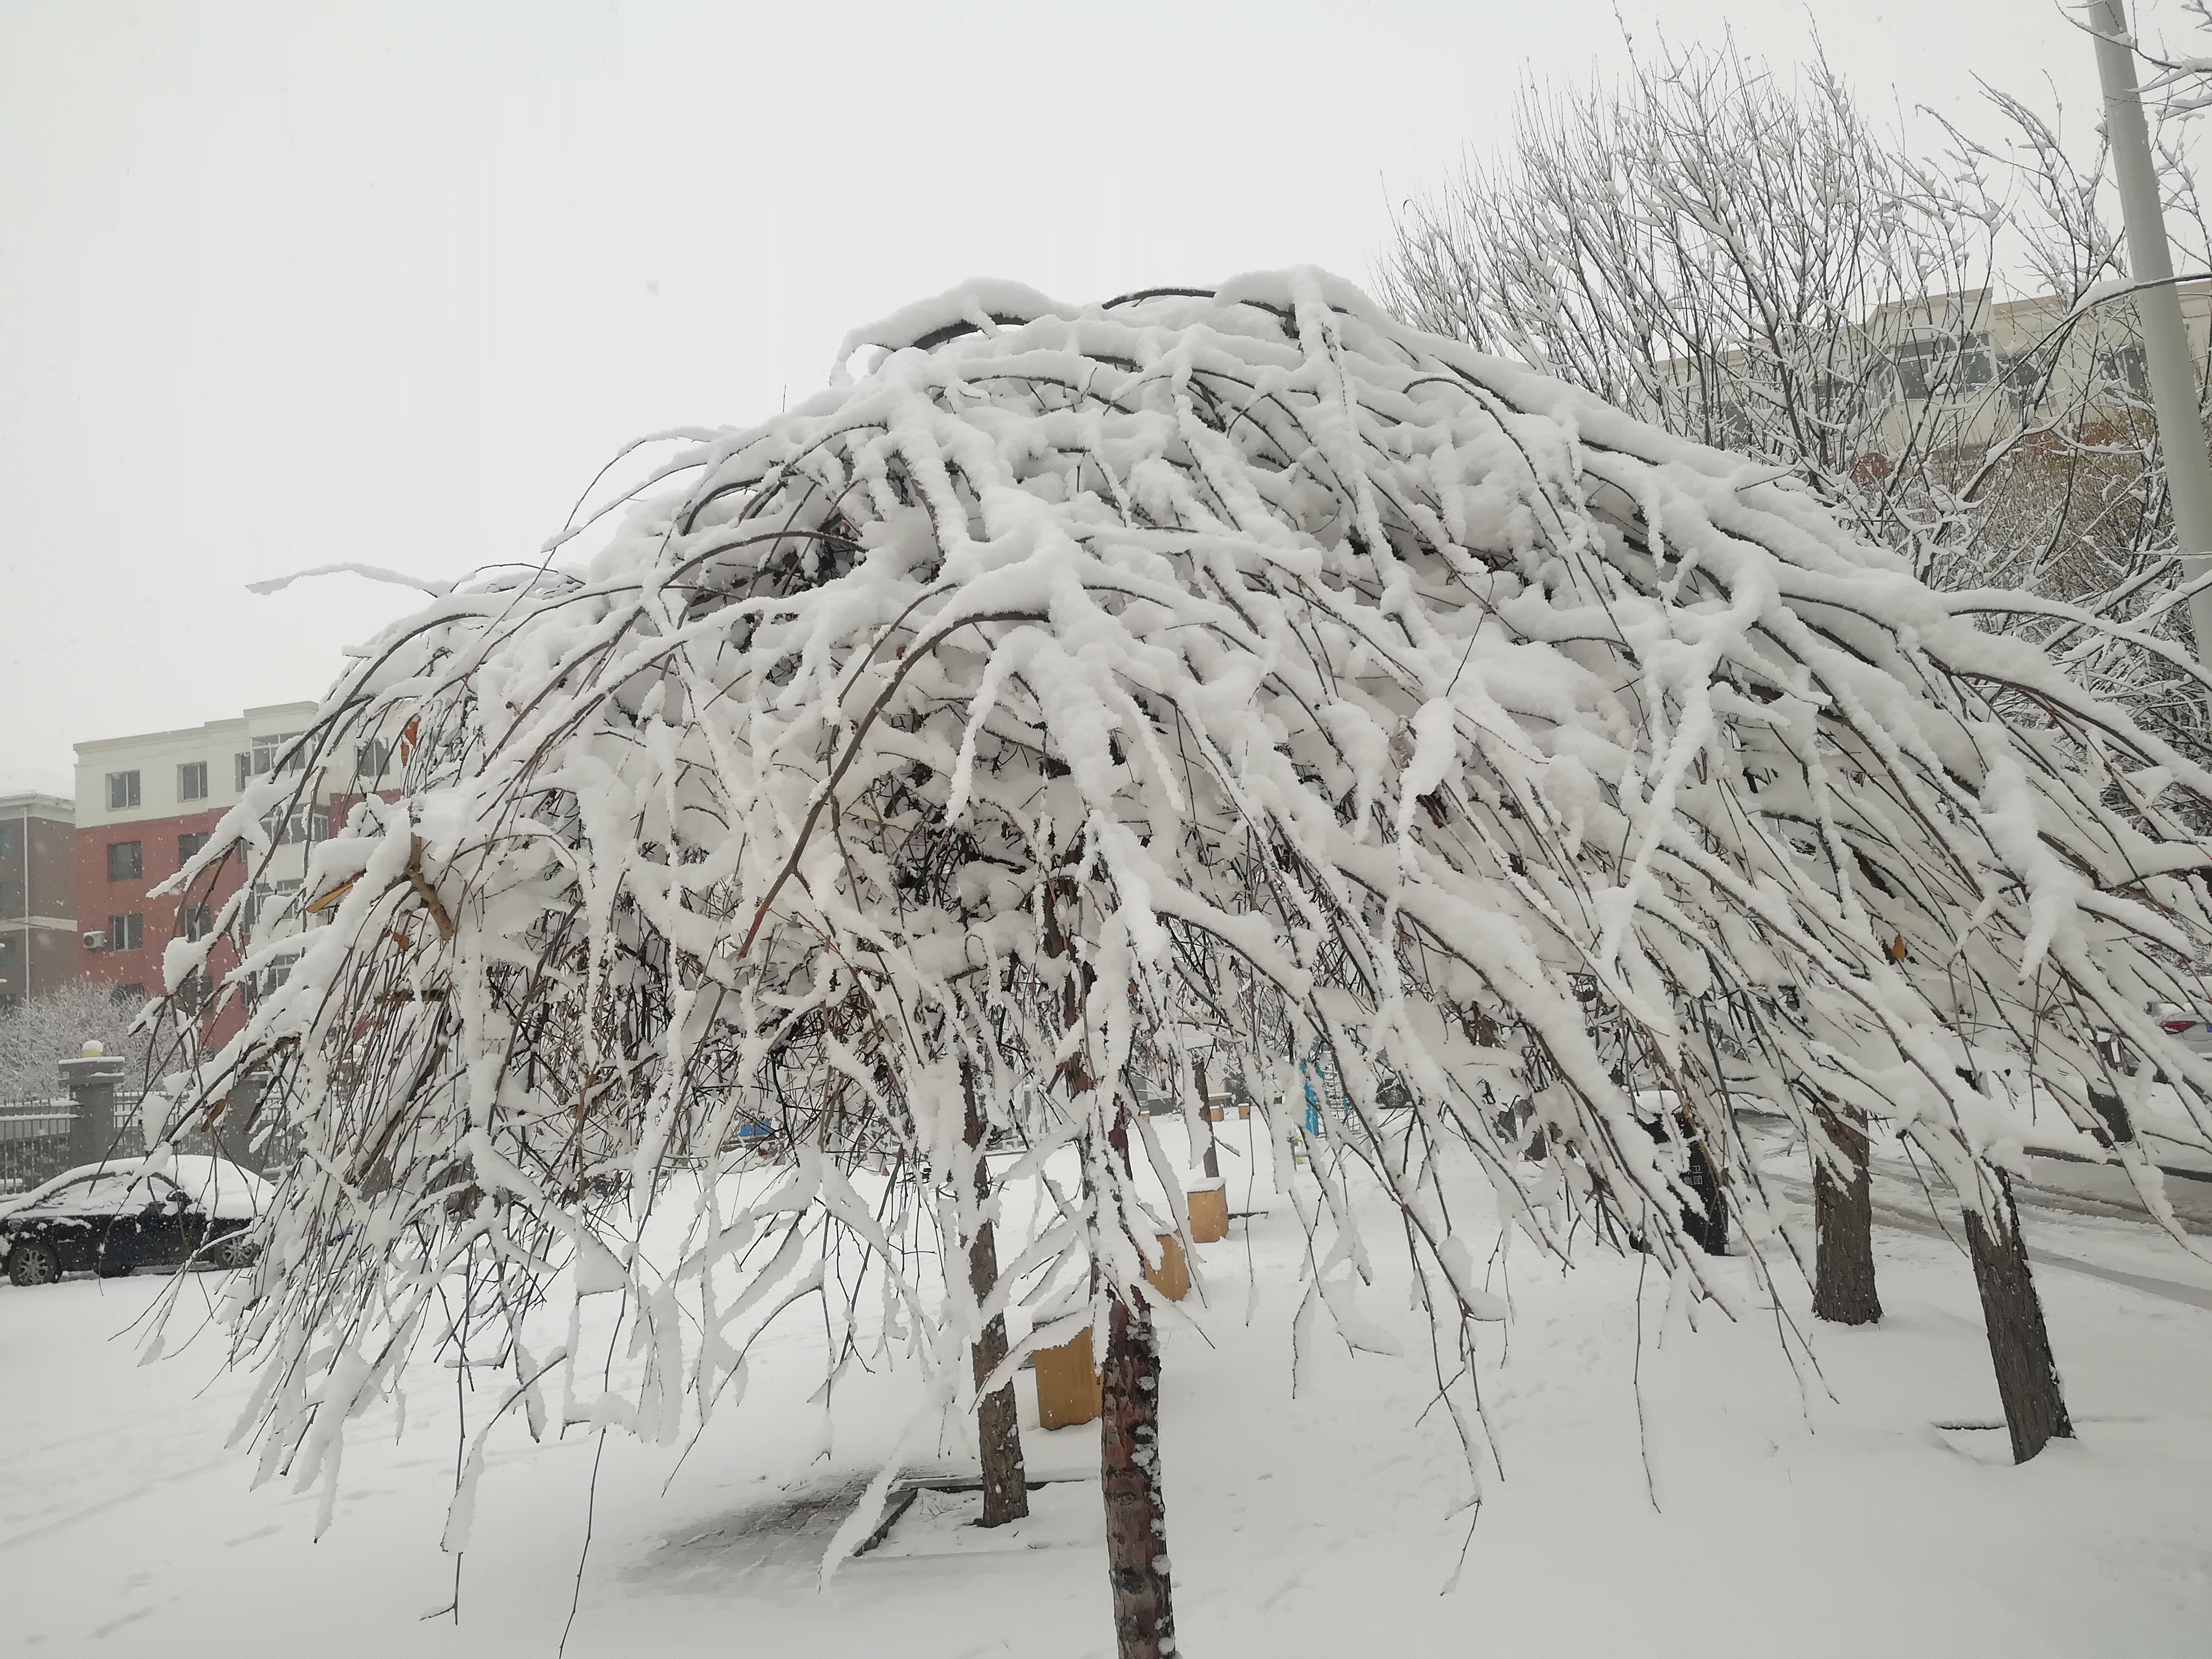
(37, 895)
(1983, 359)
(1947, 373)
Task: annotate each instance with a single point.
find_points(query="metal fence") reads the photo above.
(40, 1137)
(34, 1142)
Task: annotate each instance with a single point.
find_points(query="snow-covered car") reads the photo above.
(110, 1218)
(2192, 1026)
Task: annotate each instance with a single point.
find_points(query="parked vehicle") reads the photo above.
(2190, 1024)
(112, 1216)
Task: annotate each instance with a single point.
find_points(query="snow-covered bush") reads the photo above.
(1065, 678)
(37, 1035)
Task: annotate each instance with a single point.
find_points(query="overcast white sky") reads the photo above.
(286, 285)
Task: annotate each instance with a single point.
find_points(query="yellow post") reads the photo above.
(1209, 1214)
(1068, 1391)
(1171, 1279)
(1068, 1387)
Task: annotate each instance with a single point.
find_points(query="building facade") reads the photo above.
(39, 942)
(145, 806)
(1983, 357)
(1945, 374)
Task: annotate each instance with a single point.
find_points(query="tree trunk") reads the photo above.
(2019, 1345)
(1843, 1221)
(1129, 1387)
(998, 1429)
(1709, 1231)
(2119, 1128)
(1129, 1474)
(1212, 1164)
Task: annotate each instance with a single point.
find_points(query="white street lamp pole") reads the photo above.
(2165, 338)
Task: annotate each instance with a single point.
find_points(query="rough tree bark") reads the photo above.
(1842, 1222)
(1212, 1163)
(1707, 1226)
(2119, 1125)
(2019, 1345)
(1129, 1384)
(1129, 1471)
(1710, 1229)
(998, 1427)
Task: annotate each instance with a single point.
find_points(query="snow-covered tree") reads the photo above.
(37, 1035)
(1748, 258)
(1751, 261)
(1737, 255)
(1064, 681)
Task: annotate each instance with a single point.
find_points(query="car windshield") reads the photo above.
(63, 1197)
(106, 1194)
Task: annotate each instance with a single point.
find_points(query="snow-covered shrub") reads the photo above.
(37, 1035)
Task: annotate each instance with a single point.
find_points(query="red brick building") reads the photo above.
(143, 805)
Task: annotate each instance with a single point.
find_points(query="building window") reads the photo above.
(127, 933)
(1937, 363)
(245, 763)
(188, 846)
(195, 921)
(300, 823)
(127, 999)
(2021, 376)
(122, 791)
(191, 781)
(258, 902)
(370, 761)
(1734, 427)
(6, 840)
(2132, 368)
(282, 752)
(126, 860)
(195, 993)
(275, 975)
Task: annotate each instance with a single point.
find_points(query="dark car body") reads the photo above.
(110, 1218)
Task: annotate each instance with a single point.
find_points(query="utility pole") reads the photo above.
(2165, 337)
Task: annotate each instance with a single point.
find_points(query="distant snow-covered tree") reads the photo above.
(1716, 246)
(1064, 682)
(1750, 258)
(37, 1035)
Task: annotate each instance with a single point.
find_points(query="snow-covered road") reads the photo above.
(2064, 1196)
(1324, 1515)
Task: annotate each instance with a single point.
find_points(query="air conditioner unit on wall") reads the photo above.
(96, 940)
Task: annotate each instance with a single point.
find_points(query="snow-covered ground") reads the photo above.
(1326, 1518)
